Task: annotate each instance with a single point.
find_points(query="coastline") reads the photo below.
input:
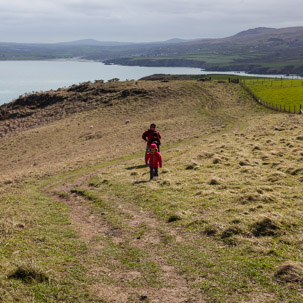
(20, 77)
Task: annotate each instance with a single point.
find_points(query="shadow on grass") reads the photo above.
(140, 182)
(136, 167)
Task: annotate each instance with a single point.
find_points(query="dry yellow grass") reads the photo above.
(222, 223)
(100, 134)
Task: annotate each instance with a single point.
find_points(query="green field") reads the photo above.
(278, 93)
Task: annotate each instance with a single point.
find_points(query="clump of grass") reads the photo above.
(216, 160)
(165, 182)
(264, 227)
(193, 165)
(214, 181)
(96, 181)
(61, 194)
(256, 147)
(267, 198)
(210, 230)
(173, 218)
(248, 198)
(86, 194)
(143, 298)
(19, 225)
(230, 231)
(294, 171)
(28, 272)
(276, 176)
(289, 272)
(206, 155)
(244, 163)
(196, 224)
(245, 169)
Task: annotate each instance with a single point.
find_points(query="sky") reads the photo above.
(51, 21)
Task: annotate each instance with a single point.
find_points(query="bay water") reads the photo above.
(20, 77)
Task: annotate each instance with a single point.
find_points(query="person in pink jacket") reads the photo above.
(154, 160)
(149, 136)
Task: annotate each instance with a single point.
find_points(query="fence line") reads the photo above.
(291, 110)
(287, 83)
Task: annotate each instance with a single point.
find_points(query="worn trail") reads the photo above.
(93, 227)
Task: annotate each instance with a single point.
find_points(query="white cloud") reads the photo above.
(139, 20)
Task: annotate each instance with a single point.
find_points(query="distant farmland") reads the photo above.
(284, 94)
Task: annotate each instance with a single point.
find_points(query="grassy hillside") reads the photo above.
(80, 222)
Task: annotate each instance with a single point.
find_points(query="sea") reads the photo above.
(22, 77)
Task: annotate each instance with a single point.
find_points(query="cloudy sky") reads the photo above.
(140, 20)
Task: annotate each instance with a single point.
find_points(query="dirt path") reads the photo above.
(92, 225)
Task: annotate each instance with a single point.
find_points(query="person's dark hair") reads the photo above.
(153, 125)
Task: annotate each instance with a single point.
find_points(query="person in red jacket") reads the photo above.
(154, 160)
(149, 136)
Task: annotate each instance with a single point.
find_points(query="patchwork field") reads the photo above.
(81, 222)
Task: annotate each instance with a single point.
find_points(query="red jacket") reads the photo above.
(149, 135)
(154, 160)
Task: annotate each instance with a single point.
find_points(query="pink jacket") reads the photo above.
(154, 160)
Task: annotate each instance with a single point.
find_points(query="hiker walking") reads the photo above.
(149, 136)
(154, 160)
(156, 140)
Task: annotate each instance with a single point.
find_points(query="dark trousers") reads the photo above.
(153, 172)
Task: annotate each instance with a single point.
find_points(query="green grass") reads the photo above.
(217, 225)
(41, 255)
(284, 93)
(221, 254)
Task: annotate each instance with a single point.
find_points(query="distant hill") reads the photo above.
(260, 34)
(260, 50)
(93, 42)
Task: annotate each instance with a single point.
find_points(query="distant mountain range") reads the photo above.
(259, 50)
(92, 42)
